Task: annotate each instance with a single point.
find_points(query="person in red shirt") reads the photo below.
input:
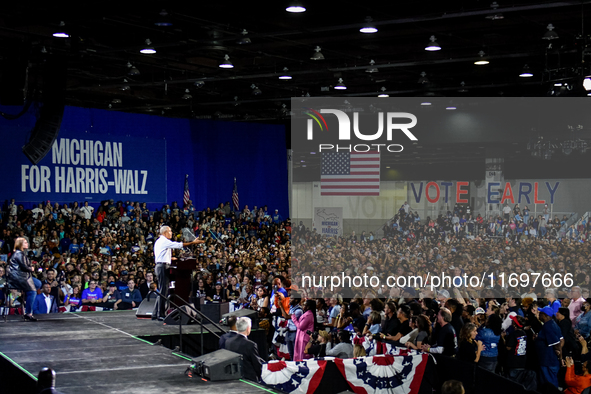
(575, 384)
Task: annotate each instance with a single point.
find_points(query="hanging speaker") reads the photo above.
(48, 124)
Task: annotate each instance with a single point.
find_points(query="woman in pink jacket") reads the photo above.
(306, 322)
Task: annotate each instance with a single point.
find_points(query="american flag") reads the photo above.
(350, 174)
(235, 200)
(295, 377)
(186, 195)
(384, 374)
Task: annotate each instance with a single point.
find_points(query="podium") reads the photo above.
(181, 275)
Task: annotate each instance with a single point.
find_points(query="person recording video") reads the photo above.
(318, 344)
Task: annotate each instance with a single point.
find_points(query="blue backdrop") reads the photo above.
(101, 155)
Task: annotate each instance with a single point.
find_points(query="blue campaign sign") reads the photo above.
(91, 167)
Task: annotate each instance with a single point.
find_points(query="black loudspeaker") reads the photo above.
(144, 311)
(48, 124)
(219, 365)
(253, 315)
(215, 311)
(175, 317)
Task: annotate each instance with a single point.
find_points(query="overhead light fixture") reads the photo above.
(340, 85)
(132, 70)
(371, 68)
(285, 74)
(295, 7)
(255, 91)
(451, 107)
(482, 61)
(226, 63)
(369, 26)
(462, 88)
(383, 94)
(244, 40)
(526, 72)
(61, 33)
(550, 34)
(495, 16)
(317, 54)
(425, 103)
(124, 87)
(187, 95)
(432, 45)
(163, 19)
(116, 101)
(43, 50)
(199, 84)
(148, 49)
(587, 83)
(423, 79)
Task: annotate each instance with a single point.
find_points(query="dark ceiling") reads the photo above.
(105, 36)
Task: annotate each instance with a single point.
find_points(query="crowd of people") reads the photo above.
(86, 259)
(103, 258)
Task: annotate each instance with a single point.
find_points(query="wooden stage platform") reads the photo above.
(101, 351)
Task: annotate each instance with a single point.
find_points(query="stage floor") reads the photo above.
(102, 351)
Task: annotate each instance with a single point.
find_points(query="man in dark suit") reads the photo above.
(251, 362)
(231, 322)
(44, 302)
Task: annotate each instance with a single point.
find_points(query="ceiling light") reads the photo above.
(187, 95)
(317, 54)
(482, 61)
(244, 40)
(295, 7)
(124, 87)
(368, 27)
(383, 94)
(496, 15)
(425, 103)
(255, 91)
(550, 34)
(285, 74)
(163, 20)
(340, 85)
(526, 73)
(116, 101)
(423, 79)
(587, 83)
(148, 49)
(199, 84)
(226, 63)
(432, 45)
(61, 33)
(132, 70)
(451, 108)
(371, 68)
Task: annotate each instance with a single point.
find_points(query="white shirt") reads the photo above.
(162, 249)
(47, 299)
(87, 211)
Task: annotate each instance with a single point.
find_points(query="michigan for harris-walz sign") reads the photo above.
(92, 168)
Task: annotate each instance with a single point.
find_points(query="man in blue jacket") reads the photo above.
(130, 297)
(44, 302)
(549, 343)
